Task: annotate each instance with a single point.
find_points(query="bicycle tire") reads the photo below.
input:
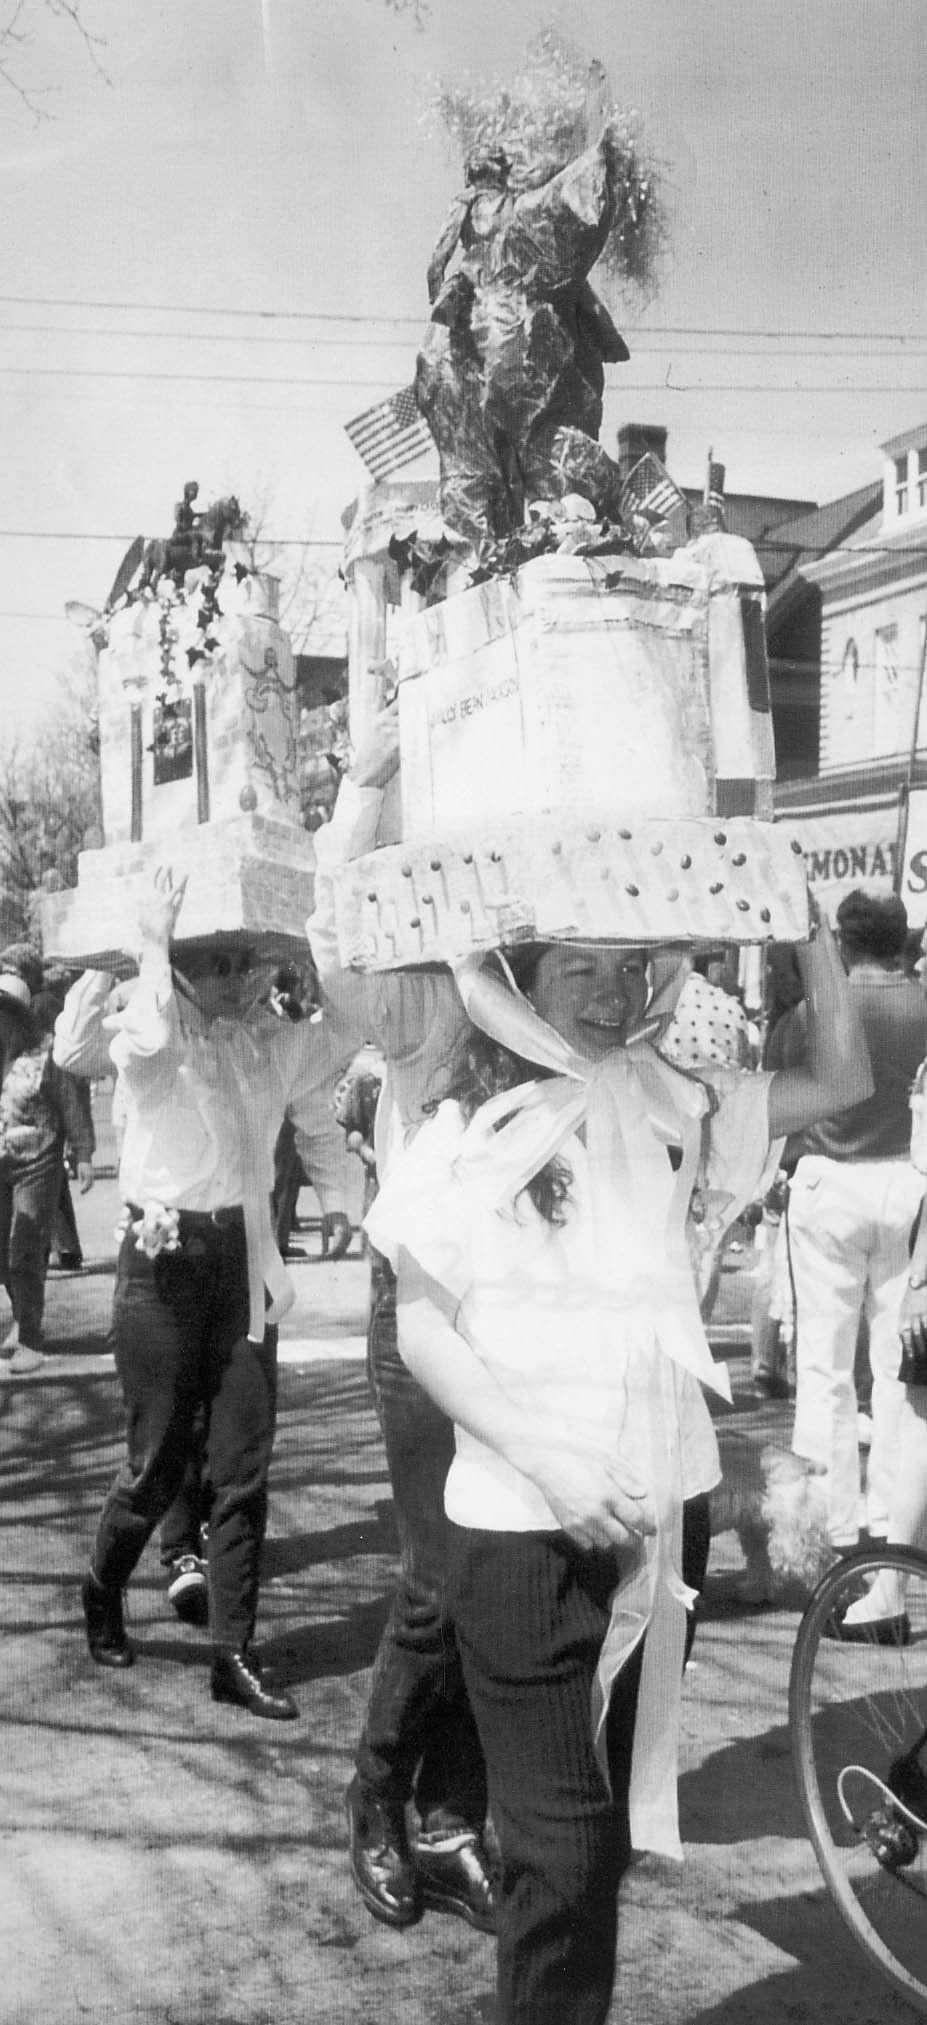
(858, 1721)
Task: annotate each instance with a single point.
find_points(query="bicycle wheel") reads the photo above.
(858, 1715)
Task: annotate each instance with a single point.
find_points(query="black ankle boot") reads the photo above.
(238, 1677)
(381, 1865)
(106, 1632)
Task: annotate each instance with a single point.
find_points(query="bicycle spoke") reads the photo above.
(858, 1711)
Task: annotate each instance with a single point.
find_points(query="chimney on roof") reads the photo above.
(634, 440)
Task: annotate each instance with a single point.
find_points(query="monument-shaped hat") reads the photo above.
(199, 755)
(585, 729)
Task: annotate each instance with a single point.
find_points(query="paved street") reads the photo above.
(168, 1861)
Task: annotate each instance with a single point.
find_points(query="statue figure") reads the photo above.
(511, 373)
(195, 541)
(183, 548)
(222, 521)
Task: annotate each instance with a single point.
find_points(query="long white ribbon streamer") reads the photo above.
(265, 1265)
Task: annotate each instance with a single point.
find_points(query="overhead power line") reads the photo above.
(360, 342)
(764, 542)
(663, 387)
(256, 541)
(779, 332)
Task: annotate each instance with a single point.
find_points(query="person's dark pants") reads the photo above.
(181, 1527)
(65, 1236)
(28, 1193)
(419, 1738)
(289, 1178)
(180, 1336)
(532, 1610)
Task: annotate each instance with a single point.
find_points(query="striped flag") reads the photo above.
(649, 490)
(390, 434)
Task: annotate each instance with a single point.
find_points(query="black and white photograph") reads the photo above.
(463, 1013)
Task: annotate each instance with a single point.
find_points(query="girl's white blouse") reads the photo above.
(556, 1330)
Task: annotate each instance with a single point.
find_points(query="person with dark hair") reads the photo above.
(65, 1249)
(852, 1200)
(416, 1803)
(40, 1111)
(205, 1073)
(537, 1224)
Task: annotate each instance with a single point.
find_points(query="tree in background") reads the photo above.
(50, 807)
(20, 28)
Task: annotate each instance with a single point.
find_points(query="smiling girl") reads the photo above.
(547, 1302)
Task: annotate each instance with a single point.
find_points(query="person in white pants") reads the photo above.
(882, 1607)
(852, 1204)
(849, 1226)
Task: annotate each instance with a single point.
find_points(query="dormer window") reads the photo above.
(901, 484)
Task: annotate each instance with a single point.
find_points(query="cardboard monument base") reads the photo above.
(250, 878)
(696, 879)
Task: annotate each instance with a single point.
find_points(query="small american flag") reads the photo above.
(390, 434)
(649, 490)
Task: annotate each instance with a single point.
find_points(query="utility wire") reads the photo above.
(780, 332)
(664, 387)
(763, 542)
(256, 541)
(916, 349)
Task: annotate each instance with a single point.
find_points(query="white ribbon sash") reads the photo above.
(265, 1266)
(633, 1105)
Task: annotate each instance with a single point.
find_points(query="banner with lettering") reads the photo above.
(858, 847)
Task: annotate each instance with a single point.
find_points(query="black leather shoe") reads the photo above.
(380, 1863)
(106, 1632)
(455, 1877)
(239, 1678)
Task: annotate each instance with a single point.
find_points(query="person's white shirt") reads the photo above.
(200, 1105)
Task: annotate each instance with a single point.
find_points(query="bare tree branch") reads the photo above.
(16, 38)
(419, 10)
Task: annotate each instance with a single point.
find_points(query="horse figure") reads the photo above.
(196, 541)
(222, 521)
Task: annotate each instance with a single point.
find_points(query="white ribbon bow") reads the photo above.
(633, 1106)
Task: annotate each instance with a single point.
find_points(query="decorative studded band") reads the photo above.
(692, 879)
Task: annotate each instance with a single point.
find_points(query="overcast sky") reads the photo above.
(270, 156)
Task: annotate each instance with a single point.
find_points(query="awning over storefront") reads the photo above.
(856, 843)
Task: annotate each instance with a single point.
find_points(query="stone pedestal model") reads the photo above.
(199, 758)
(586, 750)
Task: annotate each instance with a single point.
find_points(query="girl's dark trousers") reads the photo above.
(180, 1330)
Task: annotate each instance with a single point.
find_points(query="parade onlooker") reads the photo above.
(880, 1612)
(547, 1305)
(852, 1201)
(356, 1099)
(40, 1112)
(65, 1248)
(709, 1024)
(772, 1308)
(206, 1073)
(313, 1156)
(419, 1753)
